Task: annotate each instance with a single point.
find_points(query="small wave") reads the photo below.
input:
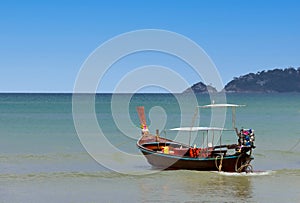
(255, 173)
(285, 152)
(46, 157)
(60, 175)
(289, 171)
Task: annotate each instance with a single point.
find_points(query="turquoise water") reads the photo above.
(43, 160)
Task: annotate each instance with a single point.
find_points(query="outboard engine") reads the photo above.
(246, 138)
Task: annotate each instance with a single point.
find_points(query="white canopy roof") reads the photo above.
(198, 129)
(221, 105)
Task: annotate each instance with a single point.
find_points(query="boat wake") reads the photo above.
(254, 173)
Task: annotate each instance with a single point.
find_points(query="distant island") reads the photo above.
(200, 87)
(276, 80)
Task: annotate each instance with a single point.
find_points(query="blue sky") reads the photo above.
(44, 43)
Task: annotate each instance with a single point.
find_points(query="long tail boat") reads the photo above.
(212, 155)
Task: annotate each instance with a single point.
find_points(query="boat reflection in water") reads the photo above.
(196, 186)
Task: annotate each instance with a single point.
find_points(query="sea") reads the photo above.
(82, 148)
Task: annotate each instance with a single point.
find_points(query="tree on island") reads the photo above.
(277, 80)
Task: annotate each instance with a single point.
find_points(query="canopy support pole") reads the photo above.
(193, 123)
(233, 118)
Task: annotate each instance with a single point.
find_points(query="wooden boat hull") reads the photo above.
(228, 163)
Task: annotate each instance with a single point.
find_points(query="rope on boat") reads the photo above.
(247, 166)
(221, 162)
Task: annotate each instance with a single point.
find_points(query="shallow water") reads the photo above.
(42, 159)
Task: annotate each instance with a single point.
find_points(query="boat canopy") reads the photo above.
(189, 129)
(220, 105)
